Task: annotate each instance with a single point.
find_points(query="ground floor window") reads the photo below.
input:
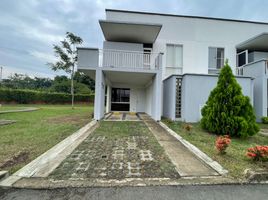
(120, 99)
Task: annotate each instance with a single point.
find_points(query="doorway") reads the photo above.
(120, 99)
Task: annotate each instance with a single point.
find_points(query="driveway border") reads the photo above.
(43, 165)
(199, 154)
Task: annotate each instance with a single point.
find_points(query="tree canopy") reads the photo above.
(227, 110)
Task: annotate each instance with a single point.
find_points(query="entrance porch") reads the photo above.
(128, 91)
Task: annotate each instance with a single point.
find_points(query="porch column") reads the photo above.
(158, 96)
(99, 95)
(108, 99)
(157, 106)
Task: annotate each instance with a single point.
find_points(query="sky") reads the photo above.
(29, 28)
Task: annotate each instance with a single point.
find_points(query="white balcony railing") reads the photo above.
(256, 68)
(129, 59)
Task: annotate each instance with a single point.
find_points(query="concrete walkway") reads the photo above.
(19, 110)
(185, 161)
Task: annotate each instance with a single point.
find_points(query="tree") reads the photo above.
(80, 77)
(227, 110)
(67, 55)
(62, 84)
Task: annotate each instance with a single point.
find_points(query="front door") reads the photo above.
(120, 99)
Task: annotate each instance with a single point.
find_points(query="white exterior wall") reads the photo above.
(149, 99)
(137, 100)
(258, 71)
(169, 98)
(196, 35)
(123, 46)
(257, 55)
(195, 92)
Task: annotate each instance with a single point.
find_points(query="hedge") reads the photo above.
(32, 96)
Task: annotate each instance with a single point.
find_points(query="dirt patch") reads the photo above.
(20, 157)
(70, 119)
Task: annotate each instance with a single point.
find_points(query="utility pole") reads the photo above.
(1, 73)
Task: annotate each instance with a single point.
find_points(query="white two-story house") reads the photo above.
(166, 65)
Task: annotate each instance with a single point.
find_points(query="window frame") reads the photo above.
(174, 44)
(216, 48)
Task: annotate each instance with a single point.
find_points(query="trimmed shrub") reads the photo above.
(227, 110)
(258, 153)
(222, 143)
(264, 120)
(32, 96)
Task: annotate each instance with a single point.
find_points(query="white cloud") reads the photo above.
(44, 57)
(11, 70)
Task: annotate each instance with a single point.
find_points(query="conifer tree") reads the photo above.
(227, 110)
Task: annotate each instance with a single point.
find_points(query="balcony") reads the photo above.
(89, 58)
(254, 69)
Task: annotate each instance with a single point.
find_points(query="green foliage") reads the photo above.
(22, 81)
(80, 77)
(227, 111)
(264, 120)
(66, 53)
(31, 96)
(83, 83)
(63, 84)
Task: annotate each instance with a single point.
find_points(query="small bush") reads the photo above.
(32, 96)
(258, 153)
(222, 143)
(264, 120)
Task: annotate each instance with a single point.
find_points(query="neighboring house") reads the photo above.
(166, 65)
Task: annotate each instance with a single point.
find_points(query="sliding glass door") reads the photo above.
(120, 99)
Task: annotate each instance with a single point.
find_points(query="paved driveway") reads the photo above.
(121, 153)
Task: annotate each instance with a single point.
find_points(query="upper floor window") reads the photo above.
(174, 56)
(215, 57)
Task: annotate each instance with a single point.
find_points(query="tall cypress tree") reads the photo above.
(227, 110)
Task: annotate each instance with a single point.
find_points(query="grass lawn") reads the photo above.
(111, 149)
(235, 160)
(37, 131)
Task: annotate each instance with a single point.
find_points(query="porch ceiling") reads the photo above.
(256, 43)
(129, 32)
(129, 78)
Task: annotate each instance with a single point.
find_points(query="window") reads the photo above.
(215, 57)
(120, 95)
(242, 58)
(174, 56)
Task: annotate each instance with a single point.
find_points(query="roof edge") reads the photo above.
(186, 16)
(130, 22)
(250, 39)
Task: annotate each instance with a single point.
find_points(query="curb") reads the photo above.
(43, 165)
(199, 154)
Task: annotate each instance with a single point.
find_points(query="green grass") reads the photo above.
(234, 160)
(263, 126)
(37, 131)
